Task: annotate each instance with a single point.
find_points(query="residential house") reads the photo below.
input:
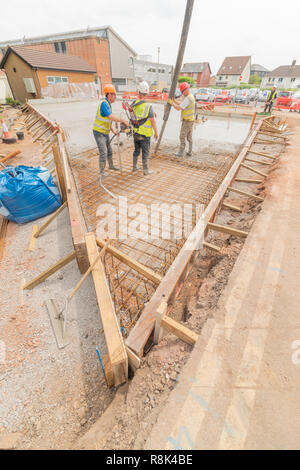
(102, 48)
(259, 70)
(29, 71)
(285, 76)
(199, 71)
(233, 71)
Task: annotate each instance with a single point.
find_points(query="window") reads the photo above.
(293, 79)
(220, 78)
(273, 79)
(53, 80)
(60, 47)
(269, 79)
(280, 79)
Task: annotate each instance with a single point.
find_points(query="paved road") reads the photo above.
(241, 386)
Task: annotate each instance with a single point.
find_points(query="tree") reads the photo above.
(255, 79)
(189, 80)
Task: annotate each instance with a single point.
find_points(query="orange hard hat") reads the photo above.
(184, 86)
(109, 89)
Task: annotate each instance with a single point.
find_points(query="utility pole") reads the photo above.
(178, 67)
(158, 52)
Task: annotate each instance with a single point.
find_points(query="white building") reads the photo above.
(5, 91)
(234, 71)
(154, 73)
(285, 76)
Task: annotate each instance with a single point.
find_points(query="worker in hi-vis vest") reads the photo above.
(270, 100)
(143, 131)
(103, 126)
(188, 116)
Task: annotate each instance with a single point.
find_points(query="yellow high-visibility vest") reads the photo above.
(141, 111)
(102, 123)
(189, 113)
(272, 96)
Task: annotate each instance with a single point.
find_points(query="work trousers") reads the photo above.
(186, 133)
(268, 107)
(141, 144)
(105, 149)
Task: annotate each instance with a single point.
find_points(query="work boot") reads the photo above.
(180, 152)
(190, 152)
(111, 165)
(135, 165)
(148, 172)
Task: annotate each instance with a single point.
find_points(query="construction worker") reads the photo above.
(270, 100)
(103, 126)
(188, 115)
(144, 114)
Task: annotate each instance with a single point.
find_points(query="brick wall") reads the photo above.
(73, 77)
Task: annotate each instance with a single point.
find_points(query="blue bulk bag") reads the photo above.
(27, 193)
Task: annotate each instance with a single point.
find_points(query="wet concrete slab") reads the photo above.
(211, 134)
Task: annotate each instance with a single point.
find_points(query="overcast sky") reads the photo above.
(260, 28)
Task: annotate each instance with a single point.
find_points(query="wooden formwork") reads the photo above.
(140, 279)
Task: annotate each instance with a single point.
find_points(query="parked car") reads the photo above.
(204, 94)
(223, 97)
(253, 94)
(262, 96)
(242, 97)
(284, 99)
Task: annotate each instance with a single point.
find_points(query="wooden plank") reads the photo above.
(132, 263)
(37, 130)
(212, 247)
(49, 137)
(33, 123)
(228, 230)
(64, 160)
(114, 341)
(262, 154)
(244, 193)
(56, 267)
(268, 142)
(133, 360)
(250, 168)
(247, 180)
(10, 155)
(59, 172)
(230, 206)
(48, 222)
(32, 241)
(185, 334)
(41, 135)
(169, 288)
(3, 233)
(53, 142)
(260, 162)
(272, 134)
(161, 312)
(78, 226)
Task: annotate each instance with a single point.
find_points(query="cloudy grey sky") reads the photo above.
(218, 28)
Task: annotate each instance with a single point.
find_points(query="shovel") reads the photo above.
(59, 318)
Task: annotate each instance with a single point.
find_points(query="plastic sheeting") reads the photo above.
(88, 90)
(27, 193)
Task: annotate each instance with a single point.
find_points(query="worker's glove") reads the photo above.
(171, 102)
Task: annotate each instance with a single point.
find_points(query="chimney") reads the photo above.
(294, 63)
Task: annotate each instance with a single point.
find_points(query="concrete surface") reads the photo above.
(77, 118)
(240, 388)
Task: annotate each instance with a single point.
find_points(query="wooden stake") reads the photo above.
(32, 241)
(243, 193)
(3, 233)
(253, 170)
(245, 180)
(229, 230)
(161, 312)
(53, 216)
(41, 135)
(179, 330)
(260, 162)
(211, 247)
(56, 267)
(262, 154)
(230, 206)
(132, 263)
